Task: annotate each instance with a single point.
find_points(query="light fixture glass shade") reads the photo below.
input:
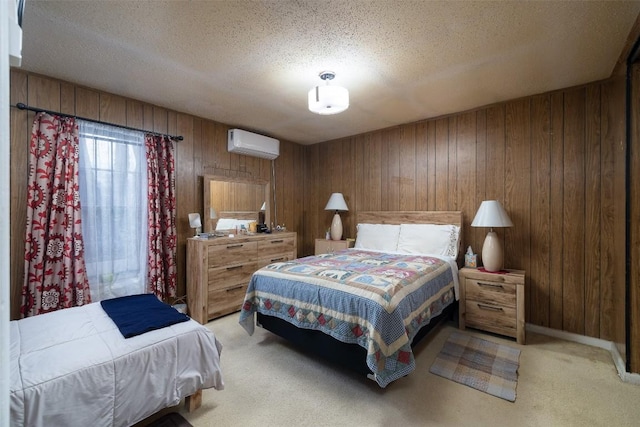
(264, 206)
(212, 213)
(328, 99)
(336, 203)
(492, 214)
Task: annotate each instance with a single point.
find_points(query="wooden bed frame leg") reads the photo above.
(194, 401)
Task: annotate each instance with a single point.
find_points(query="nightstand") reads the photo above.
(324, 246)
(493, 302)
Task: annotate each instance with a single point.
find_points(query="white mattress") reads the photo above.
(73, 367)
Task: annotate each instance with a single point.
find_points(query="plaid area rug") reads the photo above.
(480, 364)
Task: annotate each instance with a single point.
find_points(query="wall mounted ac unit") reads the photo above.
(253, 144)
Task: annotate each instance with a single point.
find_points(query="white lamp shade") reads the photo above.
(491, 214)
(264, 206)
(328, 99)
(336, 203)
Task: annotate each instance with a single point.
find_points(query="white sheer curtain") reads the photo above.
(113, 197)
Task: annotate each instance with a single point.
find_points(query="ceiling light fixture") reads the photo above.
(328, 99)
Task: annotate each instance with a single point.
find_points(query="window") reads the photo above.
(113, 197)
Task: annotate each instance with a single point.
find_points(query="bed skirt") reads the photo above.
(350, 356)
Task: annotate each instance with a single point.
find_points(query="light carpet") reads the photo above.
(271, 383)
(480, 364)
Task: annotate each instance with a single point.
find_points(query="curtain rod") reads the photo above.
(22, 106)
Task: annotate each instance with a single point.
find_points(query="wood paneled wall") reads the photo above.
(556, 163)
(203, 151)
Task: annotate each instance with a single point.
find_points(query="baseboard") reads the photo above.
(618, 360)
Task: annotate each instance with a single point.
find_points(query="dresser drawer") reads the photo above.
(492, 293)
(276, 258)
(232, 253)
(276, 246)
(227, 277)
(225, 301)
(491, 317)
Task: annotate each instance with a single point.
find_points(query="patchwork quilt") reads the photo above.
(376, 300)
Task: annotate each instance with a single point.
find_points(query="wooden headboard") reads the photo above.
(415, 217)
(410, 217)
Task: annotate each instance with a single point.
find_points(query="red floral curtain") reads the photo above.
(55, 275)
(161, 273)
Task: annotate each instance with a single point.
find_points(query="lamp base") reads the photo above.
(492, 255)
(336, 227)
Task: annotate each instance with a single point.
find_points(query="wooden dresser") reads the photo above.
(219, 269)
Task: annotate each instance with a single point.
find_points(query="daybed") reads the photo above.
(365, 307)
(74, 367)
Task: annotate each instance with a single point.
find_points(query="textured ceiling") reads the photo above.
(250, 64)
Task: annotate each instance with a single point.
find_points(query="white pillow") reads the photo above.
(378, 237)
(435, 239)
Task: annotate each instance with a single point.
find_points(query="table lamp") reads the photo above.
(492, 214)
(336, 203)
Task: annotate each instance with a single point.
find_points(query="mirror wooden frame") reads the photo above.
(244, 213)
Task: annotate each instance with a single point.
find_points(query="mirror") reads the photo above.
(237, 198)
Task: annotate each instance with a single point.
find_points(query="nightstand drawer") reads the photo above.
(324, 246)
(492, 293)
(491, 317)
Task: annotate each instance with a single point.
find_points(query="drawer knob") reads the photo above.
(491, 285)
(277, 259)
(234, 267)
(234, 288)
(234, 246)
(489, 307)
(277, 241)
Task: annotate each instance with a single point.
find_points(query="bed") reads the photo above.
(365, 307)
(73, 367)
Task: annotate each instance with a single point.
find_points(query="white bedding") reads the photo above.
(73, 367)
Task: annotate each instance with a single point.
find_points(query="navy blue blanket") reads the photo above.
(137, 314)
